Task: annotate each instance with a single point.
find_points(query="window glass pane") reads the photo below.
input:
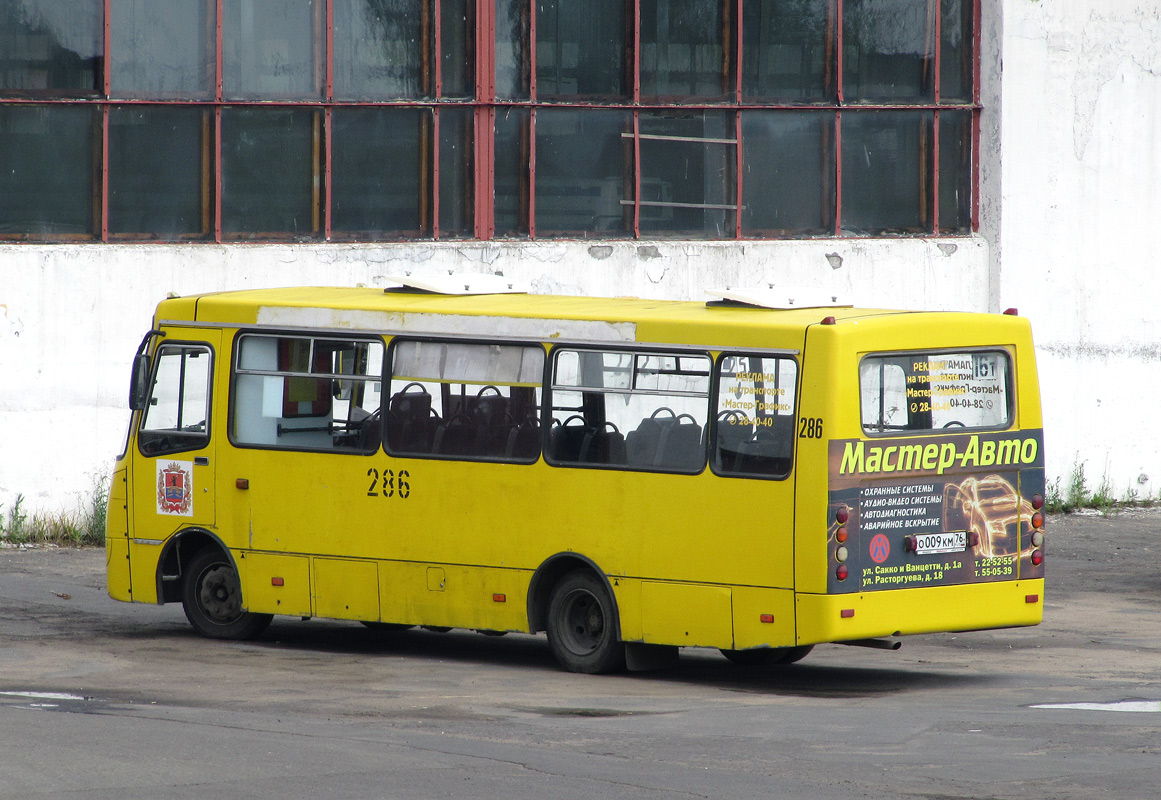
(956, 50)
(269, 169)
(788, 172)
(383, 49)
(457, 39)
(788, 50)
(159, 170)
(644, 411)
(456, 185)
(511, 175)
(178, 413)
(304, 393)
(929, 391)
(886, 172)
(580, 49)
(581, 158)
(46, 169)
(162, 48)
(888, 50)
(512, 63)
(687, 173)
(272, 49)
(461, 400)
(51, 46)
(682, 52)
(754, 415)
(955, 171)
(378, 172)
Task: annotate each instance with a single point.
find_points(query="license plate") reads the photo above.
(948, 542)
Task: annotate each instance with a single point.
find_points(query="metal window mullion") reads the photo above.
(636, 173)
(838, 172)
(435, 169)
(935, 172)
(974, 155)
(532, 173)
(217, 130)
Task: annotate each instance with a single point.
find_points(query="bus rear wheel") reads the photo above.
(212, 599)
(581, 625)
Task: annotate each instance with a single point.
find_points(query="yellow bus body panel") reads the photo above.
(900, 612)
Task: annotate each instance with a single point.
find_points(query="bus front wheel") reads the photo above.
(212, 599)
(581, 625)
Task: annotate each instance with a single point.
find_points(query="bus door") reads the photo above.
(173, 461)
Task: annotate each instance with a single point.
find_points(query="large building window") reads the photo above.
(403, 120)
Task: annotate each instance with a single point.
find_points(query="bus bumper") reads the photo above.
(965, 607)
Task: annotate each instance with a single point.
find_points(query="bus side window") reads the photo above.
(307, 393)
(177, 414)
(644, 411)
(754, 414)
(465, 400)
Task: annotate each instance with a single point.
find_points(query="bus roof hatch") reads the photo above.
(454, 283)
(776, 297)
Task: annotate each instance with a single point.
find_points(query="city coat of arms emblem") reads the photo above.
(175, 488)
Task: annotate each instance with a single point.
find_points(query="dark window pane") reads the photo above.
(457, 46)
(685, 49)
(272, 49)
(512, 63)
(956, 47)
(687, 174)
(162, 48)
(511, 174)
(581, 159)
(379, 177)
(159, 170)
(888, 51)
(269, 171)
(456, 187)
(580, 49)
(51, 46)
(955, 171)
(788, 50)
(886, 169)
(46, 169)
(787, 173)
(380, 49)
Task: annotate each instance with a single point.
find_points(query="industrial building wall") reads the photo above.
(1070, 192)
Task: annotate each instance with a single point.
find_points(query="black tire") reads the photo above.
(212, 598)
(582, 627)
(767, 655)
(386, 627)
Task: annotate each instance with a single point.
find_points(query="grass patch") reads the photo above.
(79, 528)
(1075, 495)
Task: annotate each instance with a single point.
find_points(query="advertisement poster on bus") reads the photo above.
(935, 510)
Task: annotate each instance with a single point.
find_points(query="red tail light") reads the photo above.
(1037, 558)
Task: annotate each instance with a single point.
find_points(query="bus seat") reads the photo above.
(410, 423)
(567, 440)
(680, 447)
(605, 445)
(642, 443)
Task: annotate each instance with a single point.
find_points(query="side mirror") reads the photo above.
(139, 382)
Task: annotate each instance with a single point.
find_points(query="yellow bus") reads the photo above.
(759, 473)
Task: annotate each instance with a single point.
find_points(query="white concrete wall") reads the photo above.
(1071, 193)
(1081, 201)
(72, 316)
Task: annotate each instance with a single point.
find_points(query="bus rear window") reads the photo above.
(924, 391)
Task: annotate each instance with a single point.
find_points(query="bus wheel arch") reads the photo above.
(202, 572)
(179, 551)
(572, 600)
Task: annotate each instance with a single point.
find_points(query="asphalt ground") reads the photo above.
(100, 699)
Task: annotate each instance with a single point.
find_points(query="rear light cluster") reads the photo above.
(1037, 556)
(840, 536)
